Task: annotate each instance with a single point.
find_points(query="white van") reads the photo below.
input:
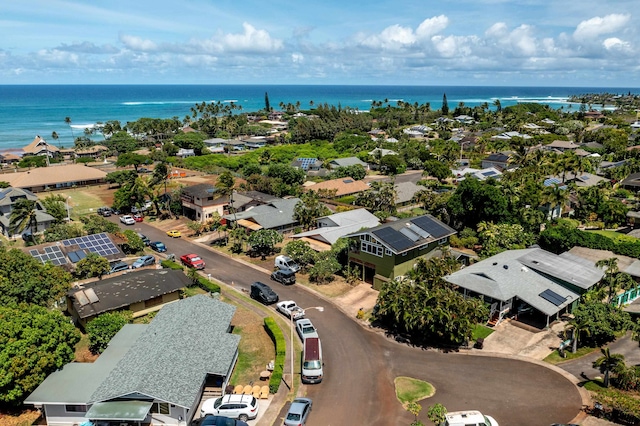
(469, 418)
(312, 361)
(285, 262)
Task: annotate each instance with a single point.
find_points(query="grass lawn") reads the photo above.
(616, 236)
(480, 331)
(555, 358)
(82, 201)
(412, 390)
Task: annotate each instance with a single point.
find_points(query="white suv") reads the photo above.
(468, 418)
(243, 407)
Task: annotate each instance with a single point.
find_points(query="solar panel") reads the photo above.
(553, 297)
(81, 298)
(73, 257)
(51, 254)
(418, 230)
(435, 229)
(33, 252)
(409, 234)
(393, 238)
(306, 162)
(91, 295)
(97, 243)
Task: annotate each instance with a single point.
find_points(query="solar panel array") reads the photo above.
(552, 297)
(395, 239)
(52, 254)
(97, 243)
(306, 162)
(435, 229)
(77, 256)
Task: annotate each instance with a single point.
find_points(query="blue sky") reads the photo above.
(413, 42)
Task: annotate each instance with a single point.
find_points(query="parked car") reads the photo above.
(243, 407)
(305, 329)
(284, 276)
(192, 260)
(147, 260)
(158, 246)
(174, 233)
(290, 308)
(465, 418)
(127, 219)
(211, 420)
(298, 412)
(144, 239)
(138, 218)
(118, 267)
(105, 211)
(263, 293)
(285, 262)
(143, 170)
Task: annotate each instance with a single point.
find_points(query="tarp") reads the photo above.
(248, 224)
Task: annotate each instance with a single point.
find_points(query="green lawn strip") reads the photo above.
(616, 236)
(555, 358)
(481, 331)
(627, 403)
(412, 390)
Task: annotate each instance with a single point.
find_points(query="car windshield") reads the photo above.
(195, 258)
(308, 329)
(160, 245)
(312, 365)
(217, 403)
(293, 416)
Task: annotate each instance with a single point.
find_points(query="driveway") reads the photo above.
(361, 364)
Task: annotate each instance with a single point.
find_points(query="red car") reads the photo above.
(192, 261)
(138, 218)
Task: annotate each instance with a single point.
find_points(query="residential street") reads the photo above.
(360, 365)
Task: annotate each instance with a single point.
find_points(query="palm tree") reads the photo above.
(68, 121)
(23, 216)
(577, 326)
(607, 363)
(55, 137)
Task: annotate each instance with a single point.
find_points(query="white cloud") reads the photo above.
(137, 43)
(251, 40)
(297, 58)
(432, 26)
(614, 43)
(497, 30)
(597, 26)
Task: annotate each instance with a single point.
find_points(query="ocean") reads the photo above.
(27, 111)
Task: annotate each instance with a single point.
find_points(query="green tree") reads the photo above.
(445, 105)
(24, 279)
(325, 266)
(301, 252)
(578, 327)
(63, 231)
(437, 169)
(437, 413)
(476, 201)
(267, 105)
(380, 198)
(602, 322)
(35, 342)
(264, 241)
(131, 159)
(67, 120)
(498, 238)
(121, 177)
(392, 165)
(93, 265)
(414, 408)
(56, 206)
(308, 209)
(355, 171)
(608, 363)
(133, 243)
(94, 224)
(23, 216)
(102, 328)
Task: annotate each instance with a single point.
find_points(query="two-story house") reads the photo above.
(201, 201)
(390, 250)
(8, 198)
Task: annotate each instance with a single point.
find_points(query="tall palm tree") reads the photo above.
(55, 137)
(68, 121)
(577, 327)
(23, 216)
(608, 363)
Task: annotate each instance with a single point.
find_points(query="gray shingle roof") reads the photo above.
(186, 340)
(270, 216)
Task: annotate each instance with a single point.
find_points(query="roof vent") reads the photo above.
(505, 266)
(495, 263)
(524, 269)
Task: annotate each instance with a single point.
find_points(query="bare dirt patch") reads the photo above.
(20, 418)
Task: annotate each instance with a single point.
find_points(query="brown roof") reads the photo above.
(344, 186)
(95, 148)
(52, 175)
(38, 145)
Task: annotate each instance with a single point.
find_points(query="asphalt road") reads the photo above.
(360, 365)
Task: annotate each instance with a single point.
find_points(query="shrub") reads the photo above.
(207, 285)
(102, 328)
(170, 264)
(281, 347)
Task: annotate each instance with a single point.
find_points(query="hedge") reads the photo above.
(560, 239)
(281, 349)
(207, 285)
(170, 264)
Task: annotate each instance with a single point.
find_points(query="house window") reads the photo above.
(387, 252)
(75, 408)
(442, 241)
(371, 248)
(153, 302)
(160, 408)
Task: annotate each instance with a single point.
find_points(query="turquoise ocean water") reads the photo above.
(27, 111)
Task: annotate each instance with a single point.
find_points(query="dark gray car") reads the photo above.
(284, 276)
(263, 293)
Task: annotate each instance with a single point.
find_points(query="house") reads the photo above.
(241, 201)
(510, 135)
(464, 119)
(307, 164)
(276, 214)
(381, 152)
(56, 177)
(480, 174)
(255, 142)
(583, 179)
(184, 153)
(8, 198)
(67, 253)
(201, 201)
(215, 145)
(631, 182)
(390, 250)
(235, 145)
(405, 192)
(499, 160)
(593, 115)
(562, 146)
(94, 152)
(9, 158)
(530, 280)
(140, 292)
(150, 373)
(346, 162)
(339, 187)
(330, 228)
(40, 147)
